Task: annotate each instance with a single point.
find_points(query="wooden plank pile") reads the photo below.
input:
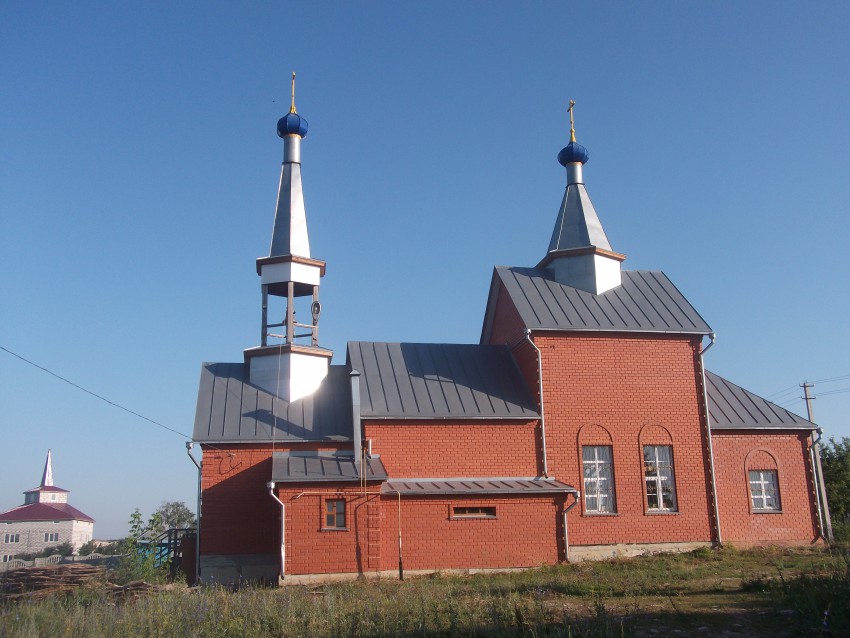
(38, 582)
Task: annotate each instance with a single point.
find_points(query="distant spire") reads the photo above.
(47, 477)
(292, 108)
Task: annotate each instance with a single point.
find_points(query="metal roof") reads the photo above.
(647, 301)
(732, 407)
(578, 224)
(44, 512)
(476, 486)
(230, 409)
(323, 467)
(439, 381)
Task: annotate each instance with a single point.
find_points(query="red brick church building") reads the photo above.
(583, 424)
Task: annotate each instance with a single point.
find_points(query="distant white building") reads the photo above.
(44, 520)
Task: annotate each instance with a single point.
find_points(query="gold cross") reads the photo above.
(572, 125)
(292, 108)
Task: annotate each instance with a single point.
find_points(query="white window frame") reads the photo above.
(12, 537)
(598, 479)
(764, 490)
(51, 537)
(658, 472)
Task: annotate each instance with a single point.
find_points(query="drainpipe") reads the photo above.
(823, 505)
(270, 485)
(542, 412)
(355, 419)
(713, 338)
(189, 446)
(577, 496)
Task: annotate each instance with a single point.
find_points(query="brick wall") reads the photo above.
(31, 535)
(238, 516)
(628, 391)
(435, 449)
(526, 532)
(507, 328)
(737, 452)
(312, 548)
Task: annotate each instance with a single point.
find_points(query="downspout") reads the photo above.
(713, 338)
(542, 412)
(189, 446)
(355, 420)
(577, 496)
(819, 472)
(270, 485)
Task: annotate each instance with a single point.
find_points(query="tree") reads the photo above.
(175, 514)
(835, 460)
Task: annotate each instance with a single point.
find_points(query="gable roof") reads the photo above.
(732, 407)
(232, 410)
(439, 381)
(647, 301)
(44, 512)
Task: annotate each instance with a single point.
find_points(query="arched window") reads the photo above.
(658, 471)
(597, 460)
(763, 479)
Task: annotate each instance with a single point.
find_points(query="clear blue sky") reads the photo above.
(139, 169)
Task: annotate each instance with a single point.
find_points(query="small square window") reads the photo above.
(473, 512)
(335, 514)
(764, 490)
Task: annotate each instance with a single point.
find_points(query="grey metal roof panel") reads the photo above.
(732, 407)
(439, 381)
(475, 487)
(289, 468)
(578, 224)
(230, 409)
(647, 301)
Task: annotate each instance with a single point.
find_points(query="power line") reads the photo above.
(778, 394)
(94, 394)
(823, 394)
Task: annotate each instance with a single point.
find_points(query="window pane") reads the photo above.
(659, 477)
(598, 478)
(764, 489)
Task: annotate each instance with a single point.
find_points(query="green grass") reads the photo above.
(770, 592)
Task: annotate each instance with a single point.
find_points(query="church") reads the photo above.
(45, 520)
(582, 425)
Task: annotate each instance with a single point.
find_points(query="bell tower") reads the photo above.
(289, 361)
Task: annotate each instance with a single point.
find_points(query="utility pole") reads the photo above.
(808, 398)
(826, 523)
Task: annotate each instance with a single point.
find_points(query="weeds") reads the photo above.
(610, 598)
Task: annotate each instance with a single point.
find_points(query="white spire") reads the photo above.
(47, 477)
(580, 254)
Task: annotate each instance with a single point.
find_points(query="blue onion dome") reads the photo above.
(292, 124)
(572, 153)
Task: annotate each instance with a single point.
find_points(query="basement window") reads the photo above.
(334, 514)
(473, 512)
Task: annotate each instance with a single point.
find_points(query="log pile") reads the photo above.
(40, 582)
